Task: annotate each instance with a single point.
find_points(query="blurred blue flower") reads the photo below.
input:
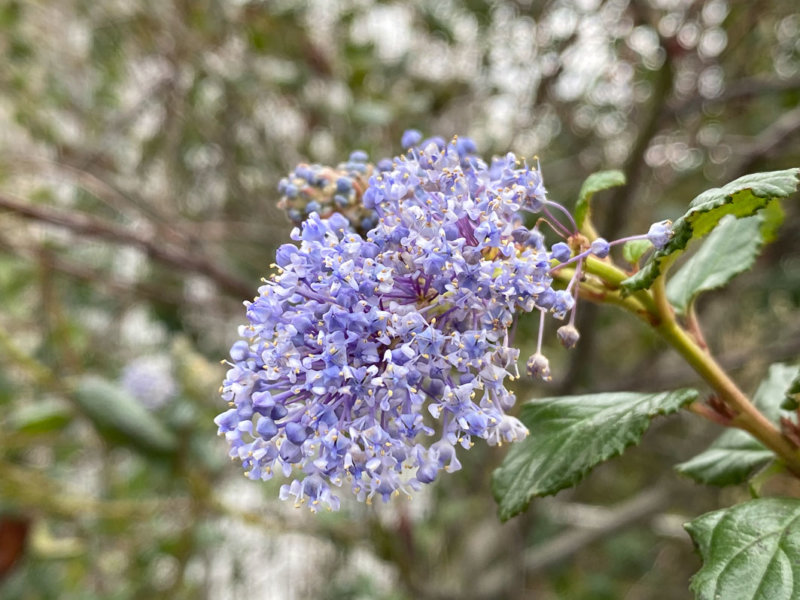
(149, 379)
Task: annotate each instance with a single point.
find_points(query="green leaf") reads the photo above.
(120, 418)
(633, 250)
(731, 249)
(596, 182)
(729, 460)
(750, 551)
(773, 215)
(791, 400)
(570, 435)
(735, 454)
(740, 198)
(45, 416)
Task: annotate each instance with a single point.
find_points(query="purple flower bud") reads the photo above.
(568, 336)
(398, 234)
(427, 472)
(465, 146)
(358, 156)
(304, 172)
(347, 297)
(227, 421)
(295, 433)
(561, 252)
(538, 367)
(240, 350)
(546, 299)
(600, 248)
(411, 137)
(536, 240)
(521, 235)
(338, 223)
(278, 412)
(660, 233)
(266, 428)
(344, 185)
(451, 232)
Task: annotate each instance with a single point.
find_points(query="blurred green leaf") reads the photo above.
(569, 436)
(596, 182)
(773, 216)
(634, 250)
(45, 416)
(120, 418)
(729, 460)
(792, 399)
(749, 552)
(735, 454)
(741, 198)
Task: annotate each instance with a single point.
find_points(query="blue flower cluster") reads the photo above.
(367, 359)
(381, 342)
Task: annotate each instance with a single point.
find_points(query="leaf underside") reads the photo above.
(730, 249)
(596, 182)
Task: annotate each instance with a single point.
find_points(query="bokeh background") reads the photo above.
(141, 142)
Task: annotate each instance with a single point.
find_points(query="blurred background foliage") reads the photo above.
(140, 147)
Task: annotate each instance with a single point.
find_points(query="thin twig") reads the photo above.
(623, 515)
(766, 143)
(139, 289)
(157, 249)
(742, 89)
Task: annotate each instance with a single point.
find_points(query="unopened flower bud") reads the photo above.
(660, 233)
(538, 367)
(561, 252)
(600, 247)
(521, 235)
(568, 336)
(411, 137)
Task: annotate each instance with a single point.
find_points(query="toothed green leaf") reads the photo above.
(741, 198)
(569, 436)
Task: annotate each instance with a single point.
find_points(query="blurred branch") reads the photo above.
(742, 89)
(154, 248)
(107, 193)
(39, 373)
(765, 143)
(35, 491)
(603, 524)
(105, 280)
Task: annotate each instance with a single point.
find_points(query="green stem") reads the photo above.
(748, 417)
(613, 277)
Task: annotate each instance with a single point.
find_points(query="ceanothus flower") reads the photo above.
(367, 359)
